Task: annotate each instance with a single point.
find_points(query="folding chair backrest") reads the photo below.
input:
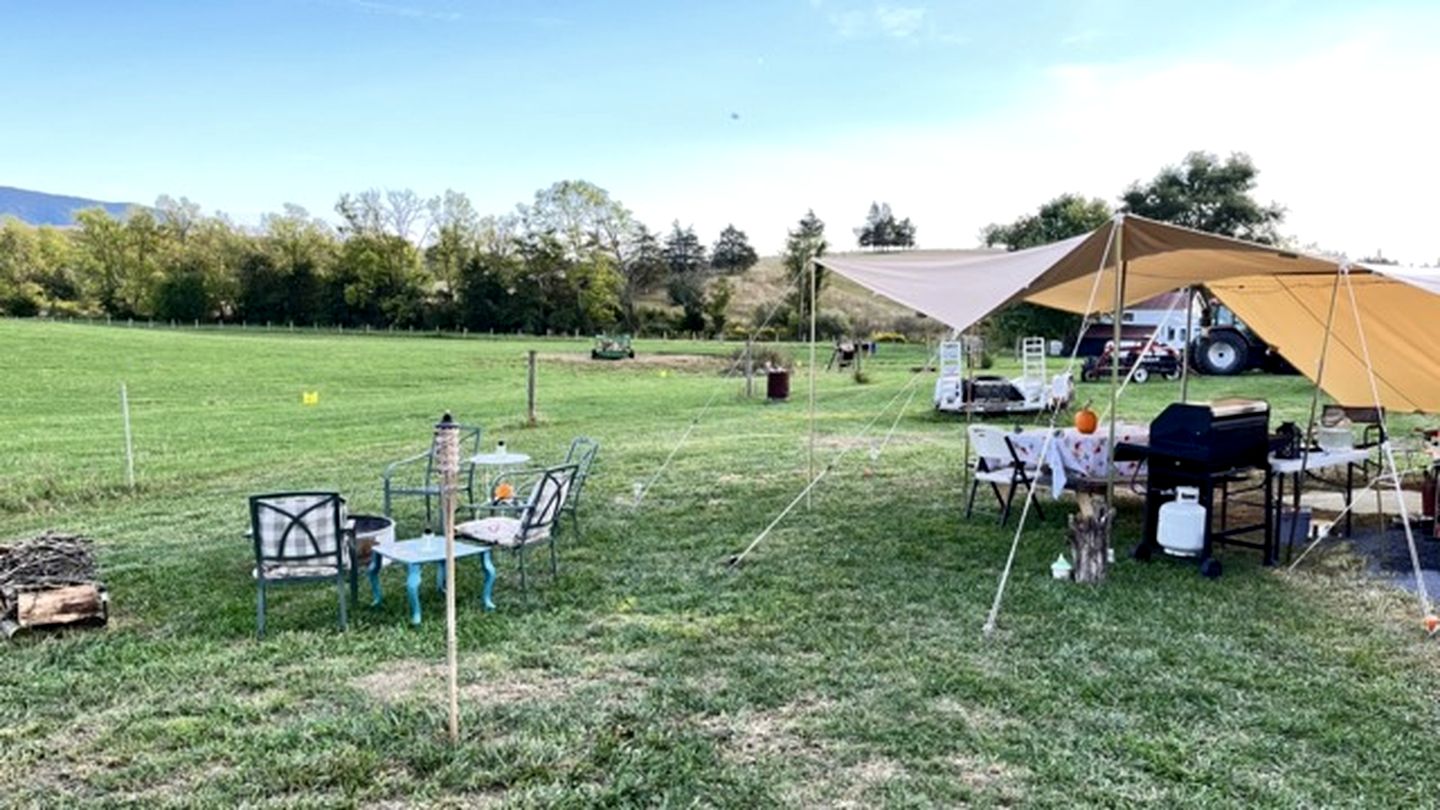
(990, 445)
(542, 508)
(582, 455)
(297, 526)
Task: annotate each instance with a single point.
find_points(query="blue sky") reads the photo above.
(957, 114)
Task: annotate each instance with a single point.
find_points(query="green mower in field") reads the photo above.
(612, 348)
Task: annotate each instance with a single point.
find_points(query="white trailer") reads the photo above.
(1033, 391)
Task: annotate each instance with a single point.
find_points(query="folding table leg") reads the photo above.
(412, 590)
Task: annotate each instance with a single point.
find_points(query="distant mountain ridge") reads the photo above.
(39, 208)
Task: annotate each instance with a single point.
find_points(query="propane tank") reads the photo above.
(1181, 530)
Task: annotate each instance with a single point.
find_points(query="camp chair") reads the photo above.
(406, 477)
(536, 521)
(997, 463)
(300, 537)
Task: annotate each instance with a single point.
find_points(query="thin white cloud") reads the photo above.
(399, 10)
(879, 20)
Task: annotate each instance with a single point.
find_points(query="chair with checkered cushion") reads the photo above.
(536, 521)
(418, 476)
(299, 537)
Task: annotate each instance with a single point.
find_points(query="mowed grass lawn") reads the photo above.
(842, 664)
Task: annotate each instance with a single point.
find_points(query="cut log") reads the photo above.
(66, 605)
(1090, 538)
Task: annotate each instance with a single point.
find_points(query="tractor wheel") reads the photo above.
(594, 354)
(1141, 375)
(1172, 376)
(630, 353)
(1222, 353)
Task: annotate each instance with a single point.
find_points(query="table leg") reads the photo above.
(372, 571)
(1277, 509)
(412, 589)
(489, 565)
(1349, 497)
(440, 577)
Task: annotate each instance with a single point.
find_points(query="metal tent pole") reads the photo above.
(1119, 237)
(1185, 345)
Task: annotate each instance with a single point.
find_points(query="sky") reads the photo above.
(957, 114)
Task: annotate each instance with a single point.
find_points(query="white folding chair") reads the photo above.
(998, 464)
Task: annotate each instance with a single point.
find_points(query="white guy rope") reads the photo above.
(1149, 344)
(990, 619)
(1386, 450)
(738, 558)
(704, 409)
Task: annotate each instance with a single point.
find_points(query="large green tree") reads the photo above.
(685, 262)
(882, 230)
(1061, 218)
(1208, 194)
(732, 252)
(804, 243)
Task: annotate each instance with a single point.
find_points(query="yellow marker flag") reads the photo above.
(310, 398)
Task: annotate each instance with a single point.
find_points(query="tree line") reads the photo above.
(571, 259)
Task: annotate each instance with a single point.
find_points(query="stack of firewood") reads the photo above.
(50, 580)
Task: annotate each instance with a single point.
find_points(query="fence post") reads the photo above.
(530, 388)
(749, 369)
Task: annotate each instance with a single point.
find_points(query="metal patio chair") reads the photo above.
(417, 476)
(998, 464)
(535, 521)
(582, 452)
(300, 537)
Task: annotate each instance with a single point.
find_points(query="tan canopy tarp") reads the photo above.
(1284, 296)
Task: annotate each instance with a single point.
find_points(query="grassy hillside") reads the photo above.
(842, 665)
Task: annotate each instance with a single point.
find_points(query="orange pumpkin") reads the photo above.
(504, 491)
(1086, 421)
(1431, 623)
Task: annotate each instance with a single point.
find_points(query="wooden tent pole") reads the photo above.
(1119, 236)
(814, 305)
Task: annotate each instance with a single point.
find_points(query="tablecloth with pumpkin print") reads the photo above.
(1079, 454)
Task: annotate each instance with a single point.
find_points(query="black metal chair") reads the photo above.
(536, 519)
(300, 537)
(997, 463)
(404, 478)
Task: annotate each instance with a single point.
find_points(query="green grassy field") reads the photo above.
(841, 665)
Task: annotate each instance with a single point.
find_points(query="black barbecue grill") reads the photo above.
(1210, 446)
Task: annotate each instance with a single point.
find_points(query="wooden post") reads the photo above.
(1090, 538)
(809, 501)
(530, 388)
(129, 445)
(749, 368)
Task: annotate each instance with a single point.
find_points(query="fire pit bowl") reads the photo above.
(371, 530)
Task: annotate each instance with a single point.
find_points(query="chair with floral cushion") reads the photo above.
(300, 537)
(535, 521)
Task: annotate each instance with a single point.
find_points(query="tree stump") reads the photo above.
(1090, 537)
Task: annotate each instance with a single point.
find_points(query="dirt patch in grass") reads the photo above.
(674, 362)
(975, 717)
(408, 679)
(1005, 782)
(754, 736)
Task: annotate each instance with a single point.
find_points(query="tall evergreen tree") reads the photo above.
(732, 252)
